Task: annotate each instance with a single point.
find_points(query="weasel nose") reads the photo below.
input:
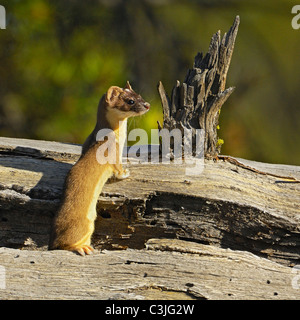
(147, 105)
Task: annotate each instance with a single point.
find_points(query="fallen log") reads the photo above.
(226, 205)
(226, 208)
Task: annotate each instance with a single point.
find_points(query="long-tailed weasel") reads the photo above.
(73, 224)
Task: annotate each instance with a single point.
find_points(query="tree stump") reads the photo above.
(196, 103)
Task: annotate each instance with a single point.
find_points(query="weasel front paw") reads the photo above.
(122, 175)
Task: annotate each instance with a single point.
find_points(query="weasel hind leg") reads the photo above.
(83, 247)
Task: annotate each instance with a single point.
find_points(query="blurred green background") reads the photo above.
(59, 57)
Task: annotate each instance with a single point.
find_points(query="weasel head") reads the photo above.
(125, 103)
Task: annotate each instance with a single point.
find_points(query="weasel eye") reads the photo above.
(130, 102)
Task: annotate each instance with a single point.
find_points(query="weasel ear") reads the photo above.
(112, 93)
(128, 86)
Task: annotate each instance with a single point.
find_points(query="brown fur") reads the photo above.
(73, 224)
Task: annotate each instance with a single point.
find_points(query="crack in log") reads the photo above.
(222, 223)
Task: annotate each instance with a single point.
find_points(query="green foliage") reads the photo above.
(220, 142)
(59, 57)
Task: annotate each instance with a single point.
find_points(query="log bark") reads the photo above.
(197, 102)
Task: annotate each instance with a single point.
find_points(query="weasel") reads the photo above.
(73, 224)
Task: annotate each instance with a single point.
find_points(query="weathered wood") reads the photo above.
(196, 103)
(226, 206)
(167, 269)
